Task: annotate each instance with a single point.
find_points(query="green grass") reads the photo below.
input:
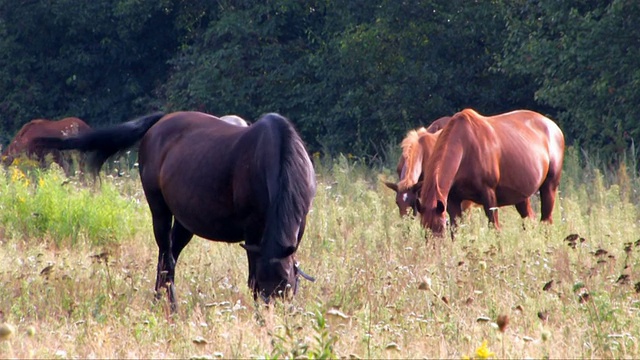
(38, 205)
(382, 289)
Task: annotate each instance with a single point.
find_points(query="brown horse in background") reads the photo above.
(23, 144)
(219, 181)
(405, 199)
(494, 161)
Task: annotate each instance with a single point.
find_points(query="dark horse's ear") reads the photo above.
(392, 186)
(439, 207)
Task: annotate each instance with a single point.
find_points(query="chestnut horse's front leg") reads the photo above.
(490, 205)
(454, 209)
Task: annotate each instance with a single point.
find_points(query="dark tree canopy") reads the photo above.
(354, 76)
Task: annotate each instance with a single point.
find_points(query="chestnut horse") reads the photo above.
(221, 182)
(406, 200)
(494, 161)
(22, 143)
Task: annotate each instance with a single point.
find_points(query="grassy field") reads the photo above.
(77, 267)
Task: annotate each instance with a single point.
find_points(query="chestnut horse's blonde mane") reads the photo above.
(470, 112)
(412, 154)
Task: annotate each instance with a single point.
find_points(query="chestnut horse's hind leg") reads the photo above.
(548, 192)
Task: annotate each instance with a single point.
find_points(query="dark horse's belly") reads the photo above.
(208, 224)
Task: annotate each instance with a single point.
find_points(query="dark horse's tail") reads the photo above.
(291, 184)
(105, 142)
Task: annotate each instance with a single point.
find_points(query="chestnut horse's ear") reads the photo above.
(392, 186)
(439, 207)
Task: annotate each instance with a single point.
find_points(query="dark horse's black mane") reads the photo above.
(289, 196)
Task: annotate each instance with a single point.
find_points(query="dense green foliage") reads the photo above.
(353, 75)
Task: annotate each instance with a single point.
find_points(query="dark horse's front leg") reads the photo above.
(252, 238)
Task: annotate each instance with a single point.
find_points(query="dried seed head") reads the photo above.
(503, 321)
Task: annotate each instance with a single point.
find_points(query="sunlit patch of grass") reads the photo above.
(47, 204)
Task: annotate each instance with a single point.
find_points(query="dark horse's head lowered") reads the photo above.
(289, 194)
(219, 181)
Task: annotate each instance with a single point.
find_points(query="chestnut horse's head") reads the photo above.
(405, 200)
(433, 216)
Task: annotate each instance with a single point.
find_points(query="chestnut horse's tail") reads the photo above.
(104, 142)
(412, 153)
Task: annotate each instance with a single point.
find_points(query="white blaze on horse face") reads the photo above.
(405, 197)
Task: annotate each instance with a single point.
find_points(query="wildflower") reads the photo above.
(483, 352)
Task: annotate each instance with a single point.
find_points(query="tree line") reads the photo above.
(352, 75)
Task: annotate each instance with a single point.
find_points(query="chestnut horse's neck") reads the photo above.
(444, 162)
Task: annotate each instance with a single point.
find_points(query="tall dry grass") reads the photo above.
(382, 290)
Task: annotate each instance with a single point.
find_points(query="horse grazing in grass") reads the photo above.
(23, 144)
(406, 199)
(221, 182)
(494, 161)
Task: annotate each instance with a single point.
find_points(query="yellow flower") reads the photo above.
(483, 352)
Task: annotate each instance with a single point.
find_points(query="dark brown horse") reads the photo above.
(22, 143)
(494, 161)
(221, 182)
(406, 200)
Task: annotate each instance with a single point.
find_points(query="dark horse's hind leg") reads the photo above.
(161, 231)
(180, 237)
(170, 243)
(168, 257)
